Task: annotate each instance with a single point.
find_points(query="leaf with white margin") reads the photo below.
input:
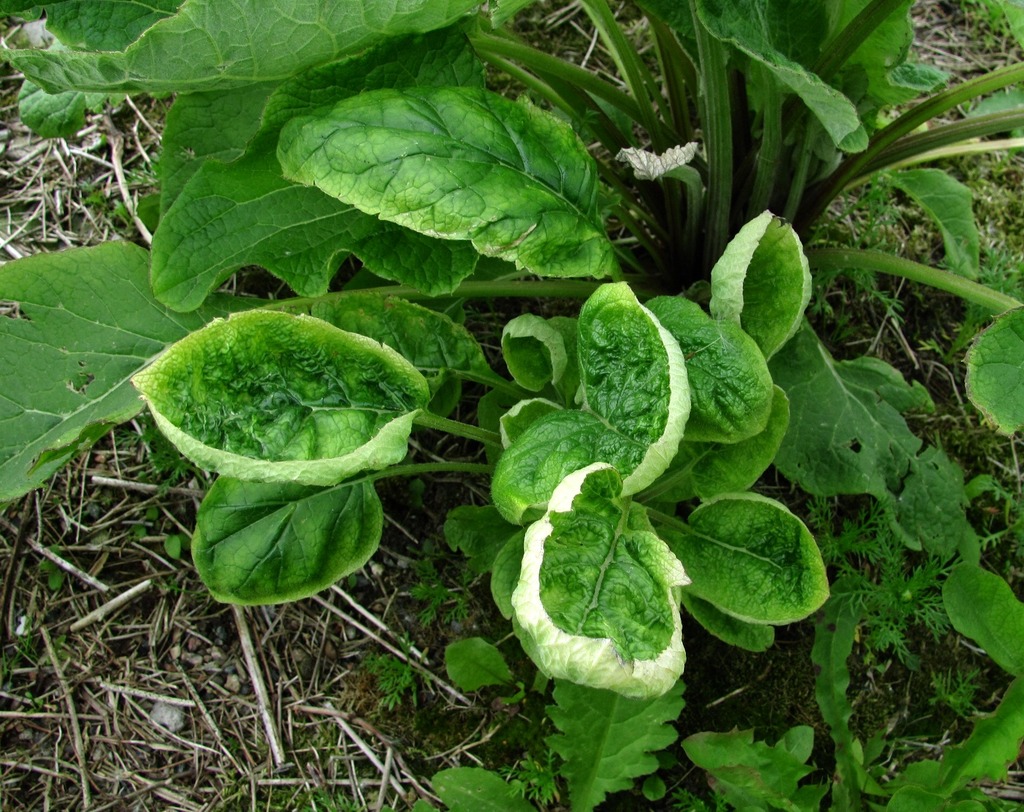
(995, 372)
(272, 397)
(762, 282)
(524, 414)
(259, 543)
(730, 385)
(596, 602)
(460, 164)
(534, 352)
(635, 400)
(751, 558)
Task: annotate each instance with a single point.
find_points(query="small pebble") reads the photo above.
(170, 717)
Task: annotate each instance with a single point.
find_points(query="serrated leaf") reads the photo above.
(596, 601)
(992, 747)
(87, 324)
(59, 115)
(995, 374)
(763, 30)
(460, 164)
(473, 663)
(982, 606)
(259, 543)
(950, 205)
(474, 789)
(749, 636)
(271, 397)
(731, 389)
(209, 44)
(752, 559)
(606, 740)
(762, 282)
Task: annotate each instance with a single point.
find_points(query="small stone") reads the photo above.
(232, 683)
(168, 716)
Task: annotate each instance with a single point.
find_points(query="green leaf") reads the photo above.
(950, 204)
(259, 543)
(60, 115)
(105, 25)
(751, 558)
(278, 398)
(731, 389)
(755, 775)
(846, 433)
(524, 414)
(474, 789)
(87, 323)
(606, 740)
(210, 44)
(505, 573)
(706, 470)
(762, 282)
(479, 533)
(462, 164)
(992, 747)
(764, 31)
(635, 401)
(995, 374)
(749, 636)
(534, 352)
(982, 606)
(596, 601)
(473, 663)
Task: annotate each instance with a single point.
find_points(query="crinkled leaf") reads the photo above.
(479, 533)
(982, 606)
(105, 25)
(950, 204)
(995, 372)
(474, 789)
(204, 126)
(462, 164)
(473, 663)
(731, 389)
(762, 282)
(749, 636)
(87, 323)
(635, 402)
(210, 44)
(846, 432)
(596, 601)
(709, 469)
(751, 558)
(279, 398)
(59, 115)
(993, 745)
(764, 31)
(258, 543)
(608, 741)
(534, 352)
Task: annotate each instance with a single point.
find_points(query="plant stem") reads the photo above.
(670, 521)
(714, 102)
(854, 166)
(767, 161)
(416, 469)
(881, 262)
(433, 421)
(493, 380)
(959, 151)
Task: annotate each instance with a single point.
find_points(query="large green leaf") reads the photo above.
(606, 740)
(982, 606)
(765, 31)
(105, 25)
(258, 543)
(950, 204)
(271, 397)
(596, 601)
(463, 164)
(750, 636)
(762, 282)
(995, 372)
(635, 402)
(211, 44)
(731, 389)
(86, 322)
(751, 558)
(59, 115)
